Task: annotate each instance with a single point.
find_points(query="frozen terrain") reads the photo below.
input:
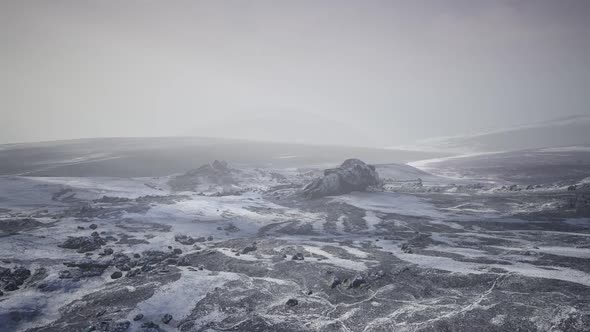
(235, 247)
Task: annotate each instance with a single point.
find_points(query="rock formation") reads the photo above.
(352, 175)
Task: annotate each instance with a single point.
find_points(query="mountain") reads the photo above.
(566, 131)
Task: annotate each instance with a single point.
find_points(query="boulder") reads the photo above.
(83, 243)
(352, 175)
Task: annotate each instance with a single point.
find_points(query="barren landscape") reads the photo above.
(226, 248)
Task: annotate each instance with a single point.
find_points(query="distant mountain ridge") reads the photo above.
(565, 131)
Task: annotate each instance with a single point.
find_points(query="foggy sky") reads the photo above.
(372, 73)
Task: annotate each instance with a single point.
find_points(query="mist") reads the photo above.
(361, 73)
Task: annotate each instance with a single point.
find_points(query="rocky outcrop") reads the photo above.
(216, 173)
(352, 175)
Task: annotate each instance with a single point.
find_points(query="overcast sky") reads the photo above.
(373, 73)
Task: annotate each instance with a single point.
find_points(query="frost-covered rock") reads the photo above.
(352, 175)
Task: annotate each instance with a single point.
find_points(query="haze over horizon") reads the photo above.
(371, 73)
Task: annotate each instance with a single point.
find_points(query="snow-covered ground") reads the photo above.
(393, 258)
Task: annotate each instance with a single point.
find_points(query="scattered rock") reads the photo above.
(93, 226)
(177, 251)
(292, 302)
(116, 275)
(166, 318)
(138, 317)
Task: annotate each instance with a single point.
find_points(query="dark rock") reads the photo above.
(249, 249)
(93, 226)
(210, 238)
(121, 261)
(80, 227)
(84, 269)
(177, 251)
(20, 274)
(335, 281)
(292, 302)
(116, 275)
(138, 317)
(39, 275)
(183, 261)
(352, 175)
(184, 239)
(166, 318)
(572, 188)
(83, 243)
(406, 248)
(357, 282)
(109, 199)
(10, 286)
(136, 256)
(108, 251)
(298, 257)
